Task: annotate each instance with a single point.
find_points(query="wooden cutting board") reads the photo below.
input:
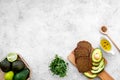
(103, 75)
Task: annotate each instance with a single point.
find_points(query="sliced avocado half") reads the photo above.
(99, 66)
(97, 55)
(98, 71)
(90, 75)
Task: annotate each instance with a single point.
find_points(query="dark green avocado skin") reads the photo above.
(5, 65)
(17, 66)
(22, 75)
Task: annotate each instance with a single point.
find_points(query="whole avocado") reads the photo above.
(17, 65)
(5, 65)
(22, 75)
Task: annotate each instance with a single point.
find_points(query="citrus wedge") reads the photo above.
(11, 57)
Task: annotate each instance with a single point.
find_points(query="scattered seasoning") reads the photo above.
(104, 29)
(58, 66)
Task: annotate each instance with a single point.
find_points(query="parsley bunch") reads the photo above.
(58, 66)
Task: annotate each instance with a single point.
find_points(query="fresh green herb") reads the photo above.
(58, 66)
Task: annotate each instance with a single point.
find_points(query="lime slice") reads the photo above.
(11, 57)
(9, 75)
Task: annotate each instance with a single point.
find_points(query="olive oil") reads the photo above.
(105, 44)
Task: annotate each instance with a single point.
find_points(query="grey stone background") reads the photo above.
(39, 29)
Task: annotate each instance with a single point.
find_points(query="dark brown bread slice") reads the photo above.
(85, 44)
(80, 51)
(83, 64)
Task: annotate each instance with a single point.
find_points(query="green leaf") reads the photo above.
(58, 66)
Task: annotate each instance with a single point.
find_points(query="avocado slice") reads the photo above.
(97, 55)
(99, 66)
(98, 71)
(95, 64)
(90, 75)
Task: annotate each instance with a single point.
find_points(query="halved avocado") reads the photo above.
(99, 66)
(90, 75)
(97, 55)
(98, 71)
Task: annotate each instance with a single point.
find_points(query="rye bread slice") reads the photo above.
(83, 64)
(80, 51)
(85, 44)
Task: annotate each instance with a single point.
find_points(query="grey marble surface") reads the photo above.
(39, 29)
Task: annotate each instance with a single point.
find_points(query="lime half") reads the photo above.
(11, 57)
(9, 75)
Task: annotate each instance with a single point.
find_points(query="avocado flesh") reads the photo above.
(98, 51)
(95, 64)
(90, 75)
(99, 66)
(98, 71)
